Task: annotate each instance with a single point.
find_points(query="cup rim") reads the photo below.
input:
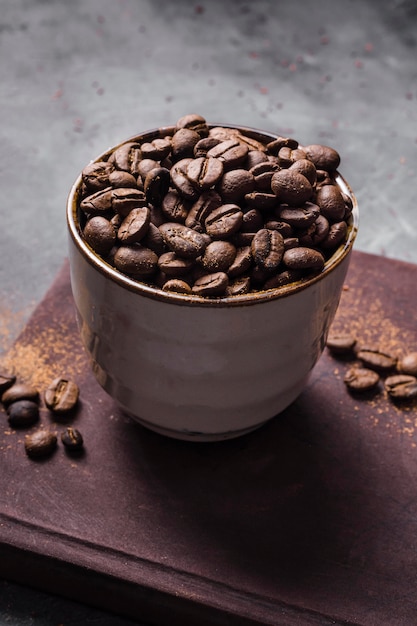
(150, 291)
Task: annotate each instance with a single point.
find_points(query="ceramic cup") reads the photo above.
(196, 368)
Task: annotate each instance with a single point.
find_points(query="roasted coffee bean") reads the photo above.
(281, 142)
(291, 242)
(181, 181)
(302, 258)
(177, 285)
(205, 172)
(23, 413)
(232, 153)
(195, 122)
(336, 235)
(174, 207)
(173, 265)
(135, 226)
(408, 364)
(206, 203)
(361, 379)
(156, 149)
(126, 199)
(241, 263)
(98, 202)
(301, 217)
(41, 443)
(183, 143)
(238, 287)
(252, 221)
(127, 157)
(96, 176)
(72, 439)
(182, 240)
(156, 185)
(19, 391)
(291, 187)
(374, 359)
(119, 179)
(218, 256)
(282, 227)
(287, 156)
(340, 343)
(323, 157)
(401, 387)
(153, 240)
(306, 168)
(211, 284)
(136, 260)
(6, 381)
(314, 235)
(235, 185)
(331, 203)
(100, 234)
(267, 248)
(223, 221)
(255, 157)
(283, 278)
(145, 166)
(261, 201)
(204, 145)
(61, 395)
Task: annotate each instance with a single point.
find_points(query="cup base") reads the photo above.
(188, 435)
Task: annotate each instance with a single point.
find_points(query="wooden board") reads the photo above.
(312, 519)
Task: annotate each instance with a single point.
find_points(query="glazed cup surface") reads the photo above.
(198, 368)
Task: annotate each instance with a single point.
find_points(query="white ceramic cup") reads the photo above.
(198, 368)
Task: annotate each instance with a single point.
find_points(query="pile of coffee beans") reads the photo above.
(213, 211)
(21, 402)
(399, 375)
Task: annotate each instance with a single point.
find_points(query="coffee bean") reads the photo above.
(181, 182)
(98, 203)
(6, 381)
(303, 258)
(61, 395)
(183, 143)
(182, 240)
(96, 176)
(174, 207)
(135, 226)
(340, 343)
(20, 391)
(336, 235)
(323, 157)
(218, 256)
(306, 168)
(401, 387)
(100, 234)
(261, 200)
(205, 172)
(231, 153)
(156, 149)
(153, 239)
(283, 278)
(331, 203)
(291, 187)
(408, 364)
(173, 265)
(127, 157)
(156, 185)
(40, 444)
(281, 142)
(223, 221)
(124, 200)
(361, 379)
(235, 185)
(204, 145)
(119, 179)
(72, 439)
(211, 284)
(241, 263)
(136, 260)
(195, 122)
(23, 413)
(238, 287)
(267, 248)
(206, 203)
(374, 359)
(177, 285)
(301, 217)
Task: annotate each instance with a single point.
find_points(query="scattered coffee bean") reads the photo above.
(72, 439)
(374, 359)
(361, 379)
(41, 443)
(19, 391)
(62, 395)
(401, 387)
(194, 185)
(408, 364)
(340, 343)
(22, 413)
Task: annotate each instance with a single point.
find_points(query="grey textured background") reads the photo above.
(77, 77)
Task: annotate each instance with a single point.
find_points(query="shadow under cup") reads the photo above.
(198, 368)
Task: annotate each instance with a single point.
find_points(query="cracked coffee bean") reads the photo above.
(62, 395)
(40, 444)
(401, 387)
(72, 439)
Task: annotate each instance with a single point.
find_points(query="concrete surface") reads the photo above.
(79, 76)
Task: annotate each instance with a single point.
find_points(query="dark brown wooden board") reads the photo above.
(311, 519)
